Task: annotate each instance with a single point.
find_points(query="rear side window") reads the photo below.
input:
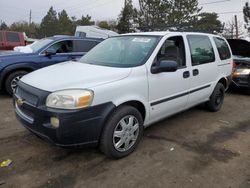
(201, 49)
(12, 37)
(223, 48)
(83, 45)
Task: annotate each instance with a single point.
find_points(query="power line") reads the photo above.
(234, 12)
(214, 2)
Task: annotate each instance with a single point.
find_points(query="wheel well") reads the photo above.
(224, 82)
(10, 72)
(138, 105)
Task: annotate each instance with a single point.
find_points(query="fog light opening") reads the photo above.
(54, 122)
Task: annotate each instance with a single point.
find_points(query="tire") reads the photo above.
(12, 79)
(217, 98)
(127, 137)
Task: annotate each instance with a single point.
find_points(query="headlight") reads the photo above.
(70, 99)
(242, 72)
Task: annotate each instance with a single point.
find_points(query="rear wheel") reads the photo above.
(122, 133)
(12, 80)
(217, 98)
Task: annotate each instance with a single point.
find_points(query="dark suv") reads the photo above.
(45, 52)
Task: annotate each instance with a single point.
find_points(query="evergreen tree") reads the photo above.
(182, 14)
(85, 20)
(125, 18)
(165, 14)
(246, 12)
(65, 25)
(3, 26)
(208, 22)
(49, 24)
(104, 25)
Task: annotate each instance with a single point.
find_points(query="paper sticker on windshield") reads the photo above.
(141, 40)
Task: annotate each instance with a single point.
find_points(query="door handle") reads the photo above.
(186, 74)
(195, 72)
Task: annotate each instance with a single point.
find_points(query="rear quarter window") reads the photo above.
(222, 48)
(201, 49)
(83, 45)
(12, 37)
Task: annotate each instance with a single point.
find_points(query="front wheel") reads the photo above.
(122, 132)
(217, 98)
(12, 80)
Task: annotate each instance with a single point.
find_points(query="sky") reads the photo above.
(16, 10)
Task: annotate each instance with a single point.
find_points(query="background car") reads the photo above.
(241, 51)
(9, 40)
(45, 52)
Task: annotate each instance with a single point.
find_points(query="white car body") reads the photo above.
(121, 85)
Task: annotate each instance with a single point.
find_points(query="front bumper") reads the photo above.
(77, 127)
(241, 81)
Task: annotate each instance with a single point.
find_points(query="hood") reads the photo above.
(8, 52)
(240, 47)
(73, 75)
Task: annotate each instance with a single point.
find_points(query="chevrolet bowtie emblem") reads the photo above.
(19, 102)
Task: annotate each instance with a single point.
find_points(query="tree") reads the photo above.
(3, 26)
(150, 14)
(208, 22)
(103, 24)
(182, 13)
(31, 30)
(125, 18)
(165, 14)
(49, 24)
(246, 12)
(65, 24)
(85, 20)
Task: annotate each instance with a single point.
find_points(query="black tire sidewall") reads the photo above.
(212, 103)
(106, 144)
(10, 78)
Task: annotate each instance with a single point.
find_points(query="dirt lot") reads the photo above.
(192, 149)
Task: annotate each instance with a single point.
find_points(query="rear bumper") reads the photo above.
(77, 127)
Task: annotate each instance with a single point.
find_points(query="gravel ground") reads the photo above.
(193, 149)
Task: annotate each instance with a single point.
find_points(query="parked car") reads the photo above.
(45, 52)
(241, 51)
(10, 39)
(124, 84)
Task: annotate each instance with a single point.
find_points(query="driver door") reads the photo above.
(169, 91)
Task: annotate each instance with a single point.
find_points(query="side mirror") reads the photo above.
(50, 52)
(164, 66)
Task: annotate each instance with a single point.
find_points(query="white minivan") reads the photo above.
(123, 85)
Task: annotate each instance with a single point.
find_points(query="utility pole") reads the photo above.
(30, 17)
(236, 26)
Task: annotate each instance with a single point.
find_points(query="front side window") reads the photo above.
(83, 45)
(173, 49)
(201, 49)
(222, 48)
(122, 51)
(12, 37)
(62, 47)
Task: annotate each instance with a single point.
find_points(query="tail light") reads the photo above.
(233, 66)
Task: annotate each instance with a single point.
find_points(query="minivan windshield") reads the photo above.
(122, 51)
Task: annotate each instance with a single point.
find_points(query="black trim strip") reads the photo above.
(179, 95)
